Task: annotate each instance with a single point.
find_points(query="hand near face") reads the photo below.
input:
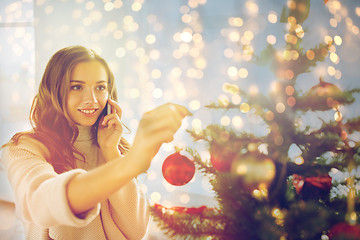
(110, 130)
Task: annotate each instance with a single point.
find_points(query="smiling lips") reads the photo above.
(88, 112)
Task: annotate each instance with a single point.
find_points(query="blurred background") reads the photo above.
(162, 51)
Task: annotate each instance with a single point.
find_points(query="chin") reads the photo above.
(86, 123)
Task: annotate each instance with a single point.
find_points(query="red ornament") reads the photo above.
(344, 231)
(178, 170)
(322, 182)
(222, 158)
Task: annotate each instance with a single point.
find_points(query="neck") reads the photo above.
(85, 133)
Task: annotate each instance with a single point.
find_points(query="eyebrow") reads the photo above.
(78, 81)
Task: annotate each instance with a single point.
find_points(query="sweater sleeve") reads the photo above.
(129, 211)
(40, 193)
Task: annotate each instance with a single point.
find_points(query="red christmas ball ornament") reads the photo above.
(178, 170)
(344, 231)
(222, 158)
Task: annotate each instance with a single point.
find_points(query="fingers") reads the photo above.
(180, 109)
(163, 121)
(111, 120)
(115, 107)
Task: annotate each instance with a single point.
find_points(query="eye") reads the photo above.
(101, 87)
(76, 87)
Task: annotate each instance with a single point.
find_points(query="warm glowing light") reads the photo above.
(235, 21)
(249, 35)
(184, 9)
(338, 40)
(280, 107)
(176, 72)
(154, 54)
(331, 70)
(237, 122)
(252, 7)
(134, 93)
(120, 52)
(156, 74)
(136, 6)
(338, 116)
(310, 54)
(271, 39)
(333, 22)
(338, 74)
(252, 147)
(228, 53)
(200, 63)
(243, 73)
(334, 58)
(289, 74)
(290, 39)
(232, 72)
(244, 107)
(290, 90)
(236, 99)
(155, 197)
(196, 123)
(197, 38)
(299, 31)
(184, 198)
(225, 121)
(299, 160)
(118, 34)
(186, 18)
(328, 40)
(194, 105)
(223, 100)
(108, 6)
(186, 37)
(292, 20)
(269, 115)
(272, 17)
(357, 11)
(234, 36)
(118, 4)
(150, 39)
(355, 30)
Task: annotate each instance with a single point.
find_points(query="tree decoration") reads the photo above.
(253, 170)
(222, 157)
(266, 193)
(344, 231)
(177, 169)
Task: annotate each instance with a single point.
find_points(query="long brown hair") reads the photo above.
(51, 124)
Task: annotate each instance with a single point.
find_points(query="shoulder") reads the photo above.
(26, 144)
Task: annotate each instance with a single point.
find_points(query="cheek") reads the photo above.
(102, 99)
(71, 102)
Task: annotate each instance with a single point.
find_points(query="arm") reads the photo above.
(156, 127)
(40, 193)
(86, 190)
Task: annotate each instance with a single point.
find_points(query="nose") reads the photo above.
(90, 97)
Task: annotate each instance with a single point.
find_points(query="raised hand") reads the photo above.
(155, 128)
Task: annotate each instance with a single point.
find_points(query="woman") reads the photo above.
(73, 175)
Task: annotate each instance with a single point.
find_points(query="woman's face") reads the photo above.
(88, 93)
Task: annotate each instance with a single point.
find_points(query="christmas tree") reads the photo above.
(262, 192)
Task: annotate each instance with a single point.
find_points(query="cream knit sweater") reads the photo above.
(41, 202)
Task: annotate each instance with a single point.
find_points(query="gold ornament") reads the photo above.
(253, 170)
